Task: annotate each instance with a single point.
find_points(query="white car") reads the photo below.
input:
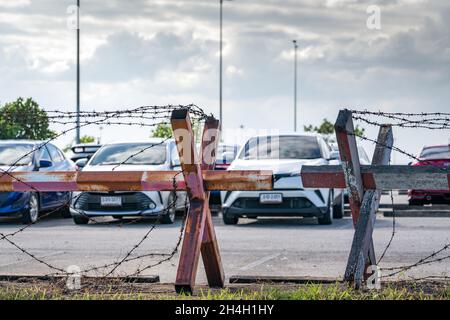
(284, 155)
(150, 155)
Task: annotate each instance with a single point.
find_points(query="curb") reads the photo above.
(280, 279)
(28, 278)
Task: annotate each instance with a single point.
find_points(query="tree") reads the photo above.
(162, 130)
(24, 119)
(87, 139)
(327, 129)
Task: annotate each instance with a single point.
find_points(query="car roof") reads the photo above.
(437, 146)
(150, 140)
(289, 134)
(22, 141)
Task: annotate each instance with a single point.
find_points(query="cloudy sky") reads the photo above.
(166, 51)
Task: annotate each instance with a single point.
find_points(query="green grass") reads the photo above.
(253, 292)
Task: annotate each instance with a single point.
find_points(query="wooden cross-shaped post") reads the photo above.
(199, 234)
(363, 204)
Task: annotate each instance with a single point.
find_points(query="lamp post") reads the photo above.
(77, 138)
(221, 66)
(295, 84)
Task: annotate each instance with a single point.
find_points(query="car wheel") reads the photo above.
(230, 219)
(169, 216)
(65, 211)
(80, 220)
(32, 213)
(327, 218)
(338, 208)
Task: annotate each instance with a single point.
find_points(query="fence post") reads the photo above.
(362, 240)
(195, 232)
(348, 150)
(210, 248)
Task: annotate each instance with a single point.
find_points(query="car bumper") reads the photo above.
(304, 203)
(133, 204)
(430, 196)
(15, 205)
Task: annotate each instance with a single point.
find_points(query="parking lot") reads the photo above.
(265, 247)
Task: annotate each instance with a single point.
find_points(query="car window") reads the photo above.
(281, 147)
(44, 154)
(130, 154)
(20, 154)
(54, 153)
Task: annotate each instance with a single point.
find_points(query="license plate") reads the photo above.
(447, 164)
(111, 201)
(268, 198)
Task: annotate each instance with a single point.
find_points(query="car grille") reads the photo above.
(133, 201)
(288, 203)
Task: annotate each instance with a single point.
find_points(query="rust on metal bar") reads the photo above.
(196, 219)
(383, 177)
(348, 151)
(210, 247)
(131, 181)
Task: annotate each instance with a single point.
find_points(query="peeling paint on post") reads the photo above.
(362, 246)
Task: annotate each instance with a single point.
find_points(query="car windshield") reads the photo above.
(131, 154)
(442, 152)
(281, 147)
(18, 155)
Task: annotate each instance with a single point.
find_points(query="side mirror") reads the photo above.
(334, 155)
(81, 163)
(45, 164)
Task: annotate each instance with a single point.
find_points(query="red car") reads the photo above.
(432, 156)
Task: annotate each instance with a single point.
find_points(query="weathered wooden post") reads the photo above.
(199, 215)
(362, 245)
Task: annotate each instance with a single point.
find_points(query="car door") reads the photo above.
(174, 162)
(60, 163)
(47, 199)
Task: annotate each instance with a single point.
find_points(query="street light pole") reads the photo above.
(295, 84)
(221, 66)
(77, 138)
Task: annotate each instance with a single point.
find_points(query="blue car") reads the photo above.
(29, 155)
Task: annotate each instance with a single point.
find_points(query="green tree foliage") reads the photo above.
(87, 139)
(24, 119)
(162, 130)
(327, 129)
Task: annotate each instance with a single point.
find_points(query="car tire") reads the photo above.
(80, 219)
(170, 215)
(65, 212)
(31, 215)
(338, 209)
(327, 218)
(230, 219)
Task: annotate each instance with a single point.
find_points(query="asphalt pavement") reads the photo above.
(292, 247)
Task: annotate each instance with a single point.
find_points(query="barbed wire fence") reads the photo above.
(424, 120)
(149, 117)
(152, 116)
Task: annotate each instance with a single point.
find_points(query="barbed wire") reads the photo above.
(431, 121)
(156, 114)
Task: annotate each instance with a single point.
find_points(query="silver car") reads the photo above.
(150, 155)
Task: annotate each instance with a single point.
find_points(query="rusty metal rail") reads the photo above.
(131, 181)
